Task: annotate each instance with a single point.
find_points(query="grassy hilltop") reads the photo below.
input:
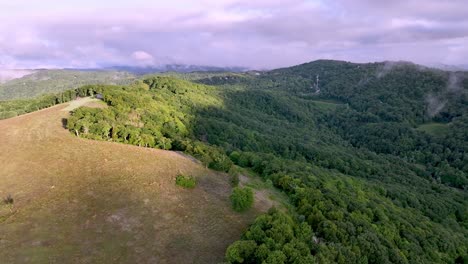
(82, 201)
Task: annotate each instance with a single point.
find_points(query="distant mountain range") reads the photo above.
(7, 75)
(447, 67)
(183, 68)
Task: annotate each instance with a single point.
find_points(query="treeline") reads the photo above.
(273, 238)
(353, 204)
(14, 108)
(156, 113)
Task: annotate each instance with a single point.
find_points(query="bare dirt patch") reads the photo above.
(85, 101)
(265, 196)
(84, 201)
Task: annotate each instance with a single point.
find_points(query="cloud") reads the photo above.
(258, 34)
(143, 58)
(7, 75)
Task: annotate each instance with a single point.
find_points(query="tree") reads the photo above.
(164, 143)
(241, 199)
(241, 251)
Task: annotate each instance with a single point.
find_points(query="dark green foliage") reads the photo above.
(14, 108)
(273, 238)
(462, 260)
(241, 251)
(186, 181)
(241, 199)
(234, 175)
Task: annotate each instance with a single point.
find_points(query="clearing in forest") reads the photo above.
(434, 129)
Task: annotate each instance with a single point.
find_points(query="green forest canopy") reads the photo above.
(367, 185)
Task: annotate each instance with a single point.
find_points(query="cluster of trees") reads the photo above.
(365, 185)
(14, 108)
(155, 114)
(356, 221)
(273, 238)
(17, 107)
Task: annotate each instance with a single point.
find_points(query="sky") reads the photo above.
(258, 34)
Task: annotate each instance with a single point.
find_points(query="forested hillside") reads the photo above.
(368, 185)
(53, 81)
(373, 157)
(380, 107)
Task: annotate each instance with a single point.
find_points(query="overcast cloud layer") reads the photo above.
(250, 33)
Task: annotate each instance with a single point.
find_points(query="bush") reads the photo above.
(234, 179)
(241, 199)
(8, 199)
(234, 176)
(240, 251)
(186, 181)
(235, 157)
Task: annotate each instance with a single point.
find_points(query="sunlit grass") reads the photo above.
(434, 129)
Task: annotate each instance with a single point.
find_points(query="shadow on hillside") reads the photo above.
(64, 123)
(261, 121)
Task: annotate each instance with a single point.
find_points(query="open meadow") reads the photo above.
(85, 201)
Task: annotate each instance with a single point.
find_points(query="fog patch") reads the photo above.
(388, 66)
(454, 83)
(8, 75)
(434, 105)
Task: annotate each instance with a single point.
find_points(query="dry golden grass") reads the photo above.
(84, 201)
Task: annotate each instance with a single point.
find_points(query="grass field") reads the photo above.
(84, 201)
(327, 104)
(323, 104)
(435, 129)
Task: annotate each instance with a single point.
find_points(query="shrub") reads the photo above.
(8, 199)
(241, 251)
(241, 199)
(269, 183)
(186, 181)
(234, 176)
(235, 157)
(234, 179)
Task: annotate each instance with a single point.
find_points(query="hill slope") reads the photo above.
(366, 184)
(54, 81)
(82, 201)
